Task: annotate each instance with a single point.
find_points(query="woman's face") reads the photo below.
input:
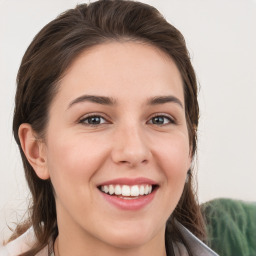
(117, 126)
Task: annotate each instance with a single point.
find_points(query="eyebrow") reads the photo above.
(91, 98)
(164, 99)
(103, 100)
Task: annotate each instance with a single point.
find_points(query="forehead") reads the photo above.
(125, 70)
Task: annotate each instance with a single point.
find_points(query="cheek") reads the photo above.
(173, 162)
(174, 159)
(72, 161)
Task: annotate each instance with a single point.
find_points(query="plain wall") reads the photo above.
(221, 37)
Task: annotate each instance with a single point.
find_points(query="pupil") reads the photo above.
(158, 120)
(94, 120)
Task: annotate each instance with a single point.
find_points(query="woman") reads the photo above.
(105, 118)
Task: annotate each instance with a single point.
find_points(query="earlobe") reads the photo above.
(34, 150)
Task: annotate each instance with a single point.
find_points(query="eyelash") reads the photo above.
(83, 120)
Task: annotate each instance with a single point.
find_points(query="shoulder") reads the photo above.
(22, 244)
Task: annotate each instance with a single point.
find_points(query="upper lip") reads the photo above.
(129, 181)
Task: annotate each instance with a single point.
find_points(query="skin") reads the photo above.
(127, 142)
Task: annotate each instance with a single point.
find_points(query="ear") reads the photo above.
(34, 150)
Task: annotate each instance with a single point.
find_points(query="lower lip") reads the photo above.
(130, 204)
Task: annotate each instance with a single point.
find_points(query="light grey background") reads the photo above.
(221, 37)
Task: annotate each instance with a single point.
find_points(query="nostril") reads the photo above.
(133, 163)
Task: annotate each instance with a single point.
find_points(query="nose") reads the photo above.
(130, 147)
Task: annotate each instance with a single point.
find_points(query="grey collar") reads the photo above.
(196, 246)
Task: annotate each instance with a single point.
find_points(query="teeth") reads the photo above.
(142, 190)
(135, 191)
(111, 190)
(105, 189)
(118, 190)
(146, 190)
(126, 190)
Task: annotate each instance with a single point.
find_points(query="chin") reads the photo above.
(129, 241)
(130, 237)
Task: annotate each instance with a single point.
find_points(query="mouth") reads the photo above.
(128, 192)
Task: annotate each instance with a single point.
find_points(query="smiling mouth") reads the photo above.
(128, 191)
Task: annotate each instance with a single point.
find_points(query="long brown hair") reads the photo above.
(46, 60)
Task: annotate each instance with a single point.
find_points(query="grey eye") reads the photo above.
(158, 120)
(93, 120)
(161, 120)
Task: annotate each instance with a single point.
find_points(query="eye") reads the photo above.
(161, 120)
(93, 120)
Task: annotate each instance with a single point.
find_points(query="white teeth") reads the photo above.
(146, 190)
(142, 190)
(105, 189)
(135, 191)
(111, 190)
(118, 190)
(126, 190)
